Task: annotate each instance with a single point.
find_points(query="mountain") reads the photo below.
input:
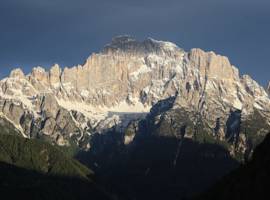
(122, 83)
(32, 168)
(152, 120)
(250, 181)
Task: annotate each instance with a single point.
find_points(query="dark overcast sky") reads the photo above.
(44, 32)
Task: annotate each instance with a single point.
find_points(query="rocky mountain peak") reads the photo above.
(121, 39)
(165, 45)
(39, 74)
(253, 87)
(213, 65)
(128, 44)
(17, 73)
(55, 75)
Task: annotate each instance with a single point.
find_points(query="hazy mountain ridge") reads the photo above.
(123, 82)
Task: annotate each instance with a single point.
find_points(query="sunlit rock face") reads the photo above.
(121, 84)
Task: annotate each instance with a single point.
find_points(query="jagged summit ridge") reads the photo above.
(128, 44)
(121, 84)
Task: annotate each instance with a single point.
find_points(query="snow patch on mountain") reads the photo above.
(142, 70)
(16, 126)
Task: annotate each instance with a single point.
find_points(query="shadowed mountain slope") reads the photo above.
(250, 181)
